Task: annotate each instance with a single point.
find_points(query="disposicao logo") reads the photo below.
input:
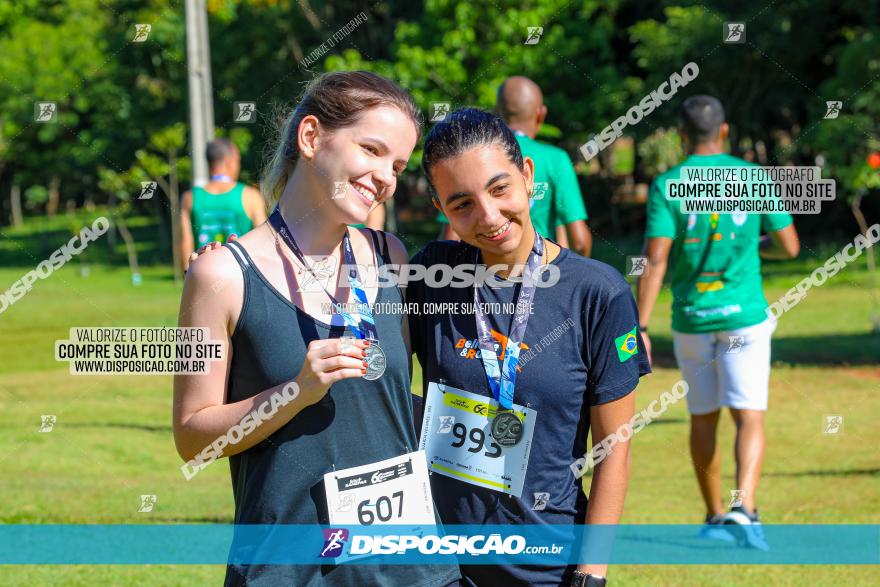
(334, 542)
(627, 344)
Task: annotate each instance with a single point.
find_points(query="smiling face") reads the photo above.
(486, 199)
(356, 167)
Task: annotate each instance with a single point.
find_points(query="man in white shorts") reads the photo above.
(721, 331)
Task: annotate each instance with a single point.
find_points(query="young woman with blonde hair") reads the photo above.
(339, 156)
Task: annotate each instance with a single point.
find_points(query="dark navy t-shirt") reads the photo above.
(578, 352)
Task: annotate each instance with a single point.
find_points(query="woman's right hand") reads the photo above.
(328, 361)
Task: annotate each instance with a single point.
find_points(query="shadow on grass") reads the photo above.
(839, 349)
(39, 238)
(141, 427)
(189, 520)
(670, 421)
(837, 473)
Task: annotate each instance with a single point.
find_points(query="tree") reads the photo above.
(162, 161)
(119, 187)
(845, 143)
(52, 53)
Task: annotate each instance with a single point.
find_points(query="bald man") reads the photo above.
(223, 206)
(558, 210)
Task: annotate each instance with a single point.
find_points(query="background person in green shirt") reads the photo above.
(557, 206)
(220, 208)
(721, 332)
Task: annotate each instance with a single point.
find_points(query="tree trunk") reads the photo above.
(129, 247)
(606, 169)
(54, 196)
(856, 207)
(637, 172)
(174, 199)
(2, 167)
(111, 213)
(163, 228)
(15, 198)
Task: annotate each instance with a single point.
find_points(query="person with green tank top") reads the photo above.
(220, 208)
(216, 216)
(720, 329)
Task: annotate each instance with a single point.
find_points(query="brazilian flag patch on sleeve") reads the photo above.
(627, 345)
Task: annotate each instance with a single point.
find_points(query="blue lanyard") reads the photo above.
(502, 380)
(363, 327)
(221, 177)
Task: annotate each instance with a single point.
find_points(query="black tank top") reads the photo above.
(280, 480)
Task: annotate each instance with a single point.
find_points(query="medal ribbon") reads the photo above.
(501, 381)
(221, 177)
(364, 326)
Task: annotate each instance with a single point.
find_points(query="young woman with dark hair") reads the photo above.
(523, 388)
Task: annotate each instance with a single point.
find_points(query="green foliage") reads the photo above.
(845, 142)
(56, 59)
(119, 185)
(162, 153)
(623, 158)
(460, 53)
(123, 105)
(660, 151)
(36, 195)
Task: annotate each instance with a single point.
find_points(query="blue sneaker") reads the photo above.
(746, 527)
(713, 529)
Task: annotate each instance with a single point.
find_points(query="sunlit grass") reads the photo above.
(112, 441)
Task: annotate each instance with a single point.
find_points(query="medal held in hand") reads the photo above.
(375, 358)
(507, 429)
(364, 326)
(375, 361)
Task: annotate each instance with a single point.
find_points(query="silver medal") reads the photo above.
(507, 429)
(375, 361)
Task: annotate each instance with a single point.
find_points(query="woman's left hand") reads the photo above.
(210, 247)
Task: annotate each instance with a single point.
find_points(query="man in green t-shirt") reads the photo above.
(222, 207)
(557, 206)
(721, 332)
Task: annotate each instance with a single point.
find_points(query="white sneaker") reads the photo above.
(747, 528)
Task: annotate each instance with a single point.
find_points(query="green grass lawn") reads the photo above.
(112, 441)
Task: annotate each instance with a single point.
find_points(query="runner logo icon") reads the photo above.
(334, 542)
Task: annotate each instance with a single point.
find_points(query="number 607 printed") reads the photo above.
(393, 491)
